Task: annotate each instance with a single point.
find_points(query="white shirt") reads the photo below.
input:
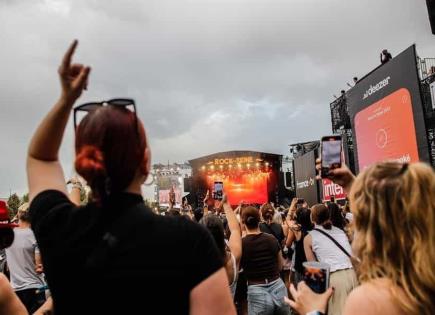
(21, 261)
(327, 252)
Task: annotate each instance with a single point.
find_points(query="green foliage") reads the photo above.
(14, 203)
(25, 198)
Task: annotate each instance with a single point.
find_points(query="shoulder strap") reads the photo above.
(334, 241)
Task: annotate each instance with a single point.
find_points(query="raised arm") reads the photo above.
(75, 192)
(205, 202)
(43, 168)
(235, 241)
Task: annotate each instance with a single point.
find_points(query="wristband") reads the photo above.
(315, 313)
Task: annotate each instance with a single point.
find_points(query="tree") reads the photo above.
(25, 198)
(13, 204)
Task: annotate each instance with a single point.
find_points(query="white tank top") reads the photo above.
(327, 252)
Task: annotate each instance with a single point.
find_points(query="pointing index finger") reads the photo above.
(68, 55)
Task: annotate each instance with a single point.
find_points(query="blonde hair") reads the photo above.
(394, 212)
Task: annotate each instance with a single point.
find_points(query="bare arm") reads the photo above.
(308, 248)
(280, 261)
(43, 168)
(45, 308)
(9, 301)
(235, 241)
(290, 238)
(74, 195)
(212, 296)
(38, 263)
(205, 202)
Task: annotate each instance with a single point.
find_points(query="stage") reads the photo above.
(248, 176)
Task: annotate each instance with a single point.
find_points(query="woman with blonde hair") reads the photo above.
(394, 215)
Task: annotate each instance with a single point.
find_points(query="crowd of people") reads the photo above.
(113, 255)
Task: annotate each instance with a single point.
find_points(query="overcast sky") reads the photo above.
(207, 75)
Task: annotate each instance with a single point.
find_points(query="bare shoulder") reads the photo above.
(374, 297)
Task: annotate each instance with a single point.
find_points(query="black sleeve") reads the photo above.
(205, 254)
(49, 213)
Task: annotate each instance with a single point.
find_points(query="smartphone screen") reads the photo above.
(316, 276)
(331, 154)
(218, 190)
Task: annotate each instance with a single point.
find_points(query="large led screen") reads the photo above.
(387, 114)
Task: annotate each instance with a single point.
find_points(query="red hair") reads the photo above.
(110, 148)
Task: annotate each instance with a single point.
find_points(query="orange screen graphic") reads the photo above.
(385, 130)
(249, 188)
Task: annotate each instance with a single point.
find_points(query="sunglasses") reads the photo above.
(117, 102)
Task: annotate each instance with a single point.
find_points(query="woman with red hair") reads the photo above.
(114, 255)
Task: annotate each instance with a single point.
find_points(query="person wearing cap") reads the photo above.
(25, 264)
(9, 301)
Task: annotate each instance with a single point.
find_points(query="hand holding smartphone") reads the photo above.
(316, 276)
(331, 152)
(218, 191)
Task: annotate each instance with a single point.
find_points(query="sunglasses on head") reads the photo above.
(117, 102)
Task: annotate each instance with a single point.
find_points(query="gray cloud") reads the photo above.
(208, 75)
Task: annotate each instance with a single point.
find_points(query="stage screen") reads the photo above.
(305, 177)
(165, 183)
(249, 187)
(387, 114)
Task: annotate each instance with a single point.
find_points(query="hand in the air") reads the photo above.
(305, 300)
(341, 176)
(73, 77)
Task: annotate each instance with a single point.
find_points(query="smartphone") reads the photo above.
(300, 201)
(218, 191)
(316, 276)
(331, 151)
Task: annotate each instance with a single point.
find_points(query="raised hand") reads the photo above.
(305, 300)
(73, 77)
(207, 197)
(341, 176)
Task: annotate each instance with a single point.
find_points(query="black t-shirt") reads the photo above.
(147, 262)
(260, 256)
(275, 228)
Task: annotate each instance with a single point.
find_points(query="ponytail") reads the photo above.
(327, 225)
(90, 165)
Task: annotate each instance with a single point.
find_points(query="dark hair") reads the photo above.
(110, 150)
(214, 224)
(251, 217)
(6, 237)
(320, 214)
(336, 216)
(198, 213)
(173, 213)
(267, 212)
(23, 216)
(303, 218)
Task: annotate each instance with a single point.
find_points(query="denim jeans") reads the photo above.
(268, 299)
